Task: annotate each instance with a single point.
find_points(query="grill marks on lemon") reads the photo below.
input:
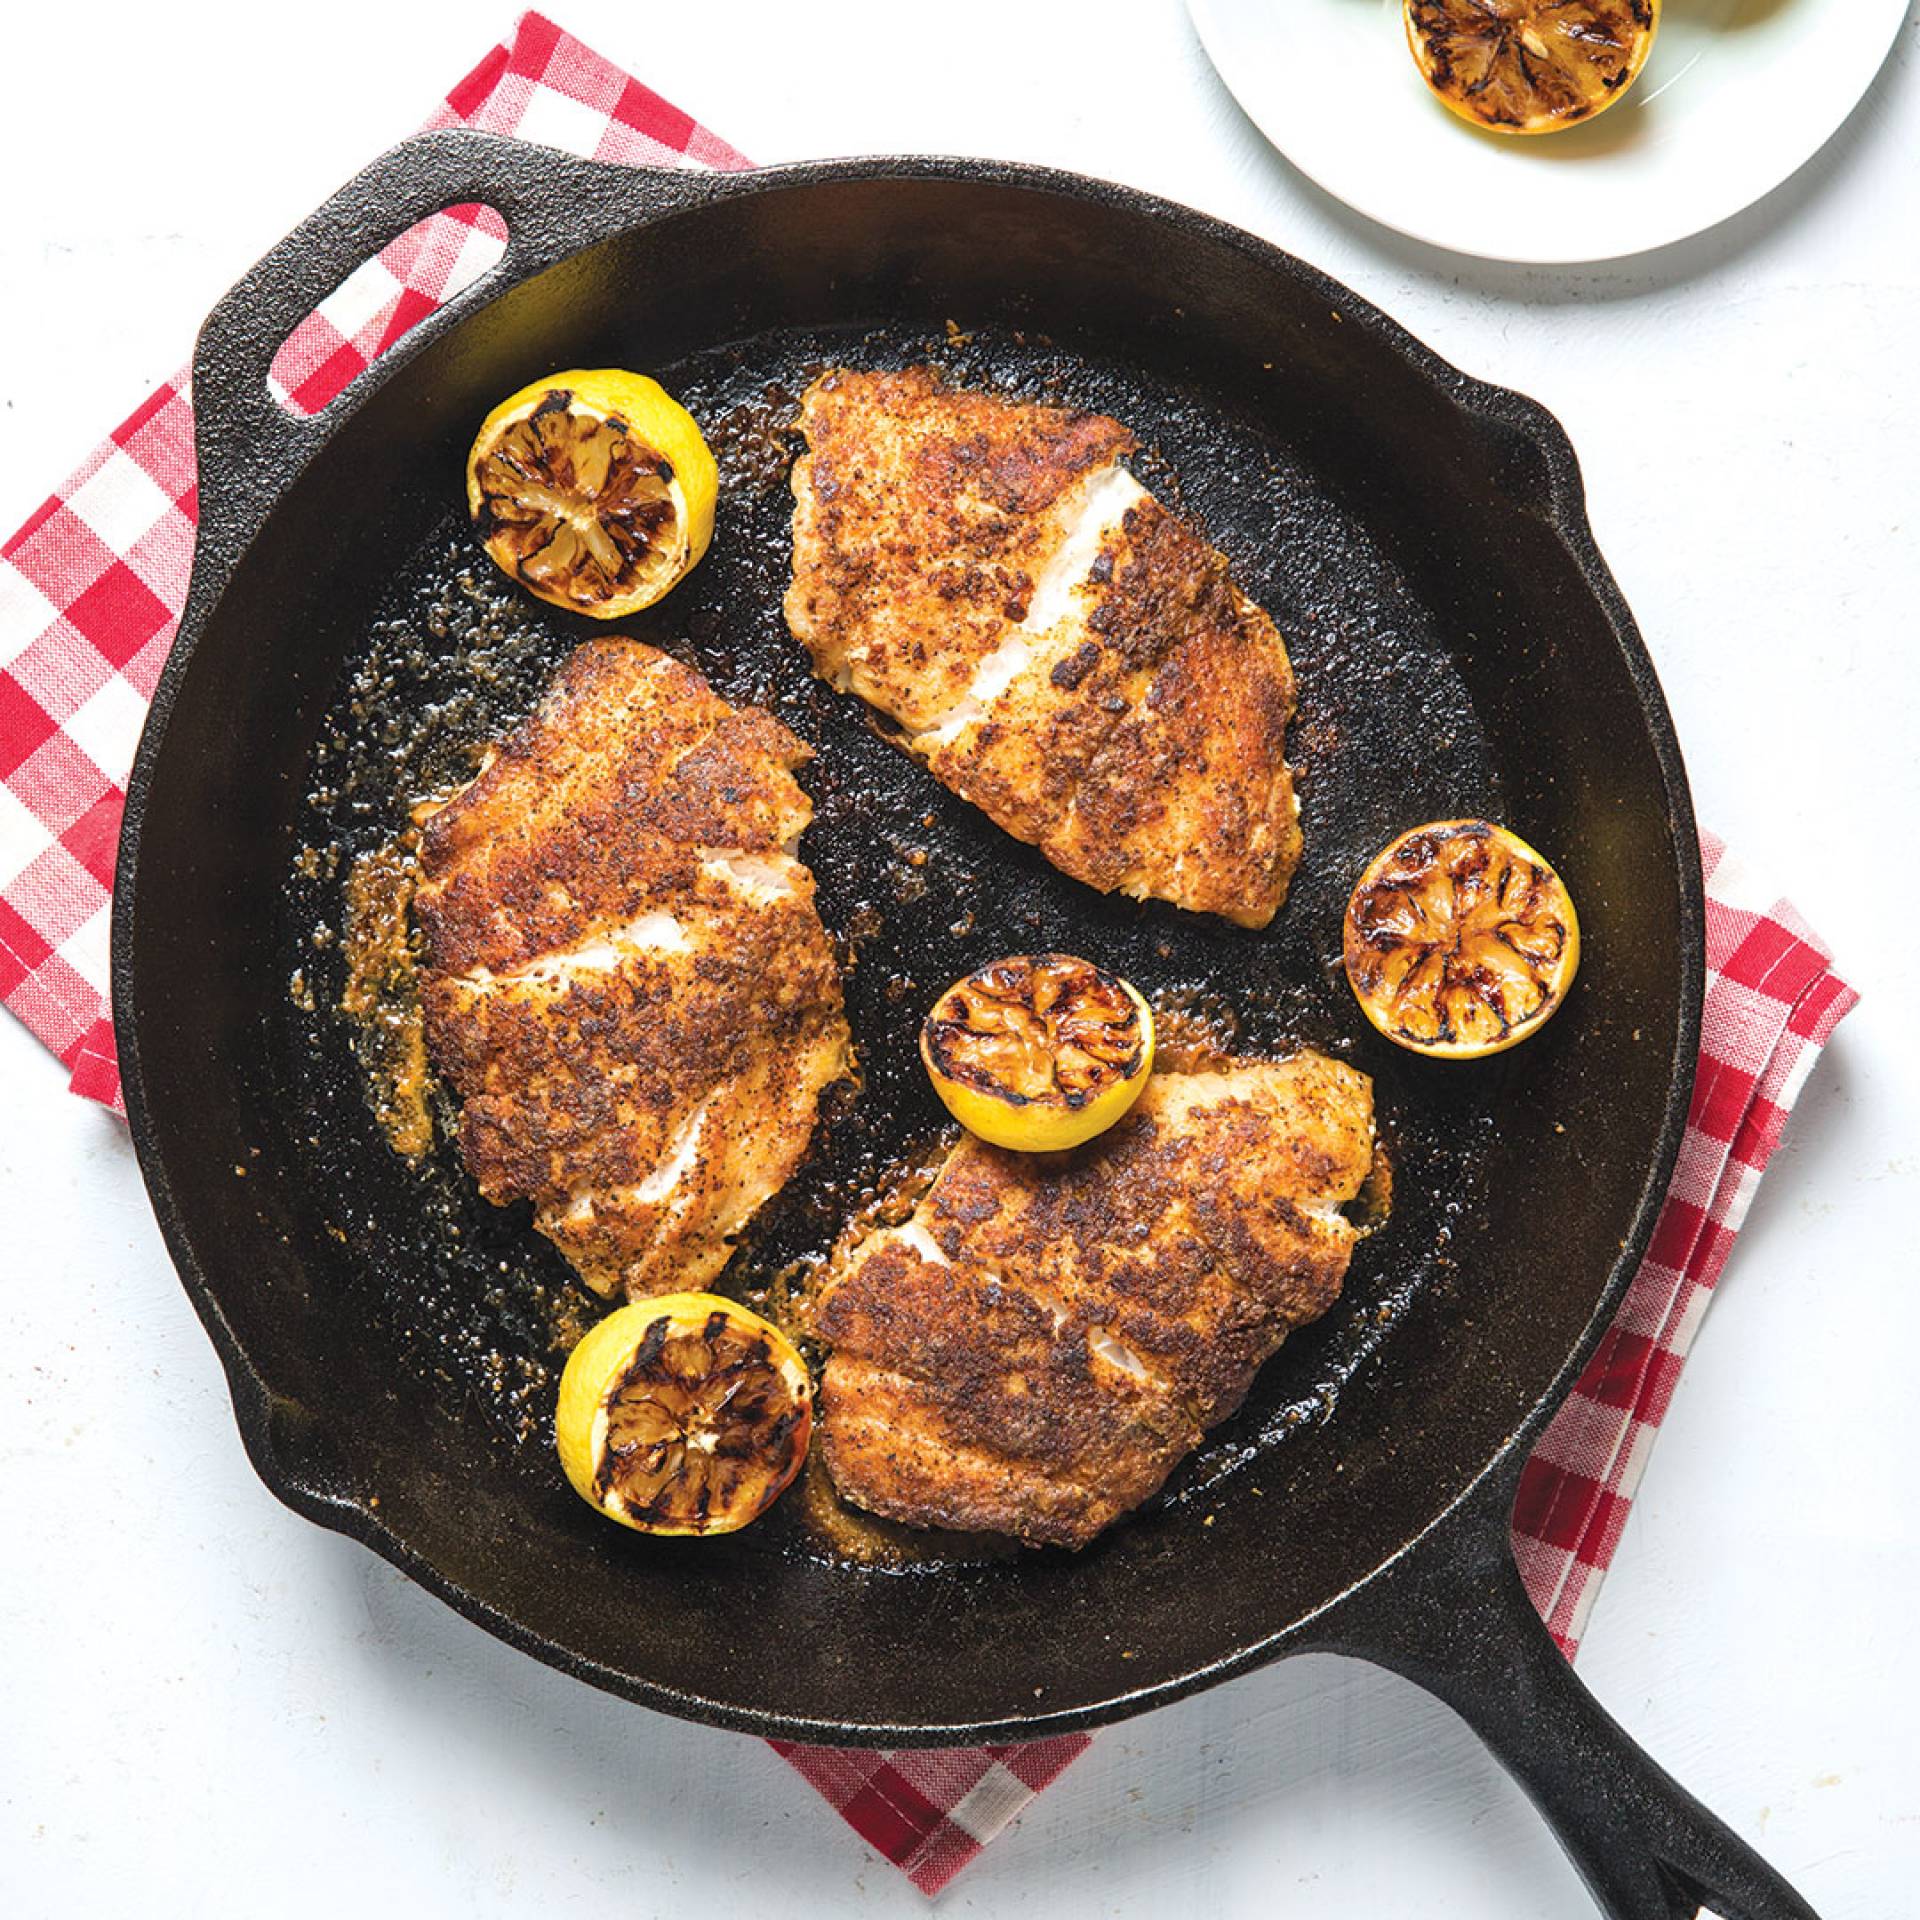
(574, 506)
(1530, 66)
(684, 1414)
(1038, 1052)
(595, 490)
(699, 1428)
(1460, 940)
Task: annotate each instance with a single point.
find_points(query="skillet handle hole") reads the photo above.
(380, 302)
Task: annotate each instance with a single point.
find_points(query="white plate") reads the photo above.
(1735, 96)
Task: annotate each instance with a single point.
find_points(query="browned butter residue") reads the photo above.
(869, 1541)
(382, 993)
(1193, 1033)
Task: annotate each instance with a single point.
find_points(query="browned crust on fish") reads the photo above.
(1145, 750)
(587, 1057)
(1089, 1315)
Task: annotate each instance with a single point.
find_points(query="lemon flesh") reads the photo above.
(1530, 66)
(683, 1414)
(1460, 940)
(1038, 1053)
(594, 489)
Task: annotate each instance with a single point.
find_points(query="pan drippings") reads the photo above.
(916, 887)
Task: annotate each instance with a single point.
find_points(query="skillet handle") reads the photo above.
(1453, 1617)
(249, 446)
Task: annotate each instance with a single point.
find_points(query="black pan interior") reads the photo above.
(1453, 656)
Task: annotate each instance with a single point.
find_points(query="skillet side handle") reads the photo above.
(249, 447)
(1453, 1617)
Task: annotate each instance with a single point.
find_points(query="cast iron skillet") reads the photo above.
(1422, 541)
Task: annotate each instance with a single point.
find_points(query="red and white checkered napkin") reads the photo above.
(91, 589)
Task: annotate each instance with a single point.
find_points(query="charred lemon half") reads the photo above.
(594, 490)
(685, 1413)
(1530, 66)
(1038, 1052)
(1460, 940)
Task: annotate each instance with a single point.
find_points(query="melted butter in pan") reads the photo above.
(381, 997)
(848, 1533)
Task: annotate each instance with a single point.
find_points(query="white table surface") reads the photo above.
(209, 1706)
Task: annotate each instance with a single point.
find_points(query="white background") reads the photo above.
(209, 1706)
